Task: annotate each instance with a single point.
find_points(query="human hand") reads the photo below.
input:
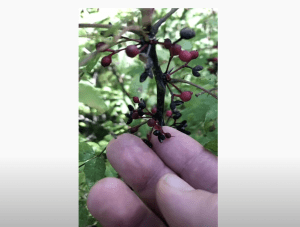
(164, 198)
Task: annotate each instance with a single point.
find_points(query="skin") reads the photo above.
(175, 184)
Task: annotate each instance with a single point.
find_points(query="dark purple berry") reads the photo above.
(106, 61)
(132, 51)
(156, 132)
(151, 122)
(168, 135)
(187, 33)
(154, 110)
(198, 68)
(136, 99)
(130, 107)
(134, 129)
(135, 115)
(167, 43)
(149, 144)
(175, 49)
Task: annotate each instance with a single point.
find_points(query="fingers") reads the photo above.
(138, 165)
(112, 203)
(182, 205)
(186, 157)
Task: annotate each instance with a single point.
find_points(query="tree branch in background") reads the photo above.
(147, 18)
(195, 85)
(162, 20)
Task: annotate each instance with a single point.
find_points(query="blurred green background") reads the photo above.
(104, 93)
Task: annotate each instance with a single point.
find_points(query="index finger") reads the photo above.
(188, 158)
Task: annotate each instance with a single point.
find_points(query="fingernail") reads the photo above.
(175, 182)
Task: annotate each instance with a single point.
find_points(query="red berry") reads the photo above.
(135, 115)
(194, 54)
(175, 49)
(185, 56)
(215, 59)
(154, 110)
(106, 61)
(167, 43)
(134, 129)
(151, 122)
(132, 51)
(168, 135)
(168, 113)
(136, 99)
(186, 96)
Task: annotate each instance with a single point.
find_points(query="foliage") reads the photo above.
(104, 93)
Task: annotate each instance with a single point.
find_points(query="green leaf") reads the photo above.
(91, 64)
(91, 96)
(212, 146)
(212, 113)
(110, 171)
(94, 170)
(136, 87)
(95, 147)
(86, 152)
(186, 45)
(83, 214)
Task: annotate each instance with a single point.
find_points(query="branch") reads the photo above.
(96, 156)
(162, 20)
(201, 93)
(114, 42)
(195, 85)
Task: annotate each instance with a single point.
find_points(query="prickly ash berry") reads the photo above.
(178, 102)
(135, 115)
(168, 113)
(194, 54)
(132, 51)
(106, 61)
(186, 96)
(195, 73)
(168, 135)
(187, 33)
(167, 43)
(136, 99)
(134, 129)
(130, 107)
(185, 56)
(177, 115)
(172, 106)
(156, 132)
(151, 122)
(140, 112)
(142, 105)
(161, 138)
(198, 68)
(149, 144)
(154, 110)
(175, 49)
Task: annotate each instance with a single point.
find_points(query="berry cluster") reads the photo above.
(154, 119)
(142, 112)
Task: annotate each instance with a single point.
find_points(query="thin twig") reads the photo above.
(162, 20)
(96, 156)
(195, 85)
(201, 93)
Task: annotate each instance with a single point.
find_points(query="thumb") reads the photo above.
(182, 205)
